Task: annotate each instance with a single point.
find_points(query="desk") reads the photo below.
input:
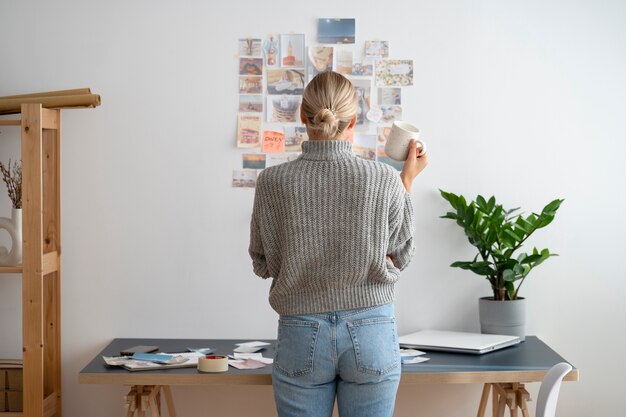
(502, 372)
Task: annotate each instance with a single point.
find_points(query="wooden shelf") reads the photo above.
(10, 122)
(11, 270)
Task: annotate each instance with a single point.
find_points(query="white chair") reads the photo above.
(549, 391)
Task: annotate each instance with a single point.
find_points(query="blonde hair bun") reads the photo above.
(327, 122)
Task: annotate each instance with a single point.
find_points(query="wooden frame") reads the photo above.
(41, 271)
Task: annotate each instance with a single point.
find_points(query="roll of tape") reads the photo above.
(213, 363)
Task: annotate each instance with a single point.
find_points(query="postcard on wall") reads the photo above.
(391, 113)
(285, 81)
(250, 66)
(248, 130)
(382, 157)
(274, 159)
(364, 146)
(394, 73)
(244, 178)
(336, 30)
(250, 84)
(283, 108)
(253, 161)
(271, 50)
(382, 133)
(251, 103)
(389, 96)
(344, 62)
(250, 47)
(292, 50)
(320, 59)
(363, 89)
(273, 141)
(377, 49)
(364, 68)
(294, 136)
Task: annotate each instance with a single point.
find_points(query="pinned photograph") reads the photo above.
(382, 133)
(377, 49)
(250, 66)
(389, 96)
(320, 59)
(251, 103)
(292, 50)
(273, 141)
(283, 108)
(364, 146)
(363, 89)
(364, 68)
(344, 62)
(250, 84)
(294, 136)
(253, 161)
(285, 81)
(394, 73)
(271, 51)
(280, 158)
(391, 114)
(382, 157)
(248, 130)
(250, 47)
(244, 178)
(336, 30)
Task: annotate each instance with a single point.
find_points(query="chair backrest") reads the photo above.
(549, 391)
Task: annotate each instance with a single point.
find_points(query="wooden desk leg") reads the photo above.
(151, 401)
(169, 400)
(484, 399)
(495, 399)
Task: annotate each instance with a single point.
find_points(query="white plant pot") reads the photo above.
(503, 317)
(13, 225)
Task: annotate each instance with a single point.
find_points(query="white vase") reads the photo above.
(14, 227)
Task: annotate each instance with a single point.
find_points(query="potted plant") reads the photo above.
(498, 234)
(12, 177)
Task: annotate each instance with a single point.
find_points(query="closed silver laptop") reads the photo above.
(461, 342)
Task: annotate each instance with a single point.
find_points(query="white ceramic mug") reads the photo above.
(397, 146)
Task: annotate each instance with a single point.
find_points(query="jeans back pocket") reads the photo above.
(375, 344)
(295, 347)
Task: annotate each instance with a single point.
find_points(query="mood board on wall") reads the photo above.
(273, 73)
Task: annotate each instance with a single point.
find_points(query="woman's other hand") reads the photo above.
(413, 165)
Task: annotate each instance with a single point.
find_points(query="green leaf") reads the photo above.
(450, 197)
(491, 204)
(510, 289)
(552, 207)
(482, 204)
(508, 275)
(449, 215)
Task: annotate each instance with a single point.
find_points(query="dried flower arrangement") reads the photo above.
(13, 179)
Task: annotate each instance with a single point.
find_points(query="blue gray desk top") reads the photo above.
(526, 362)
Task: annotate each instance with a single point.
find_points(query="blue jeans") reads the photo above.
(351, 354)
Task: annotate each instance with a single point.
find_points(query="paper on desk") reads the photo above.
(411, 352)
(250, 347)
(245, 363)
(256, 356)
(415, 359)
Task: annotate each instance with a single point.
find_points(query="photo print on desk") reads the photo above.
(336, 30)
(248, 130)
(292, 50)
(250, 47)
(271, 50)
(250, 66)
(283, 108)
(285, 81)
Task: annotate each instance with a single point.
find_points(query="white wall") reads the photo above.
(524, 100)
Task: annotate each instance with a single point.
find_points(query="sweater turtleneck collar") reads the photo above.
(326, 150)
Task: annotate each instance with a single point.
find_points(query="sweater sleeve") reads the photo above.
(259, 263)
(401, 247)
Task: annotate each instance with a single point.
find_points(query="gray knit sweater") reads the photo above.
(322, 226)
